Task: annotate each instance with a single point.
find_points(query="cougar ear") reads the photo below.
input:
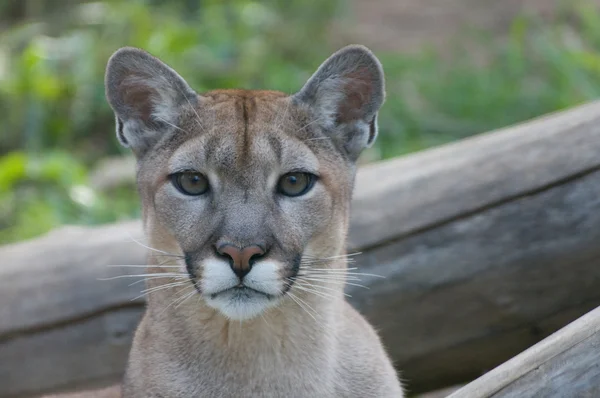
(345, 94)
(146, 96)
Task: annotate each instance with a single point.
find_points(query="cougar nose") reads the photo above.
(241, 260)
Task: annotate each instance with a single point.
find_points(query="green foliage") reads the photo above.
(56, 123)
(542, 67)
(41, 192)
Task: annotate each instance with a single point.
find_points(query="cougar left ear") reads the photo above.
(147, 97)
(345, 94)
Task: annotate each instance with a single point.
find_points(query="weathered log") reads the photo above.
(563, 365)
(487, 245)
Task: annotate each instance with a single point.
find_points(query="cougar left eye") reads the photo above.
(190, 183)
(295, 184)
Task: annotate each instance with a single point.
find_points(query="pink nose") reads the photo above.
(241, 259)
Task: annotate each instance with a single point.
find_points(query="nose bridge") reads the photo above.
(244, 224)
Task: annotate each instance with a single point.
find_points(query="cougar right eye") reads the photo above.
(295, 184)
(190, 183)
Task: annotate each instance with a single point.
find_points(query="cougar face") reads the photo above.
(249, 187)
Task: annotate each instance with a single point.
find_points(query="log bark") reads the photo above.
(562, 365)
(488, 245)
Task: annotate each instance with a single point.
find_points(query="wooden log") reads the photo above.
(562, 365)
(487, 245)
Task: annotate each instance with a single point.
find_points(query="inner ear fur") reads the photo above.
(345, 94)
(146, 96)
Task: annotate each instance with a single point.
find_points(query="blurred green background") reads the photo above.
(57, 131)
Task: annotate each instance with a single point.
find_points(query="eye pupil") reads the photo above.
(190, 183)
(295, 184)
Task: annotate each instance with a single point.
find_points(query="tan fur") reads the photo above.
(297, 343)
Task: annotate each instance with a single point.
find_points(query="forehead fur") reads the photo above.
(238, 130)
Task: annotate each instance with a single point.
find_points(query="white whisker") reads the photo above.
(340, 277)
(164, 286)
(193, 109)
(144, 266)
(151, 248)
(183, 276)
(293, 297)
(336, 282)
(171, 124)
(321, 271)
(340, 270)
(187, 296)
(310, 288)
(179, 298)
(333, 257)
(158, 288)
(163, 275)
(155, 255)
(308, 124)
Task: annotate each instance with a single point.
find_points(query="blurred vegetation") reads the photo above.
(56, 124)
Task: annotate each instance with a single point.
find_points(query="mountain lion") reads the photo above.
(246, 201)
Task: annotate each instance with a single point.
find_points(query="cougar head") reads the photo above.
(249, 187)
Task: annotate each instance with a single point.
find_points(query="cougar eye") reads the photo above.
(190, 183)
(295, 184)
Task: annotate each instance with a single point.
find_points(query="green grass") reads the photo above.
(57, 125)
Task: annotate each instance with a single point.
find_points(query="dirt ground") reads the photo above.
(406, 25)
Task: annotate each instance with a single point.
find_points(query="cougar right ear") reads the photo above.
(146, 96)
(345, 94)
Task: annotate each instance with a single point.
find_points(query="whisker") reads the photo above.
(341, 278)
(170, 124)
(335, 282)
(312, 285)
(315, 292)
(340, 270)
(279, 121)
(164, 286)
(190, 294)
(142, 266)
(179, 298)
(358, 285)
(308, 124)
(167, 255)
(323, 262)
(158, 288)
(267, 323)
(193, 109)
(151, 248)
(162, 275)
(309, 287)
(293, 297)
(325, 271)
(322, 271)
(320, 323)
(327, 274)
(332, 257)
(183, 276)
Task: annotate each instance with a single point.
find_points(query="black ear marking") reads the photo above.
(346, 93)
(372, 131)
(120, 135)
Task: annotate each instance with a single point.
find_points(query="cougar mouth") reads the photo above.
(242, 296)
(241, 291)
